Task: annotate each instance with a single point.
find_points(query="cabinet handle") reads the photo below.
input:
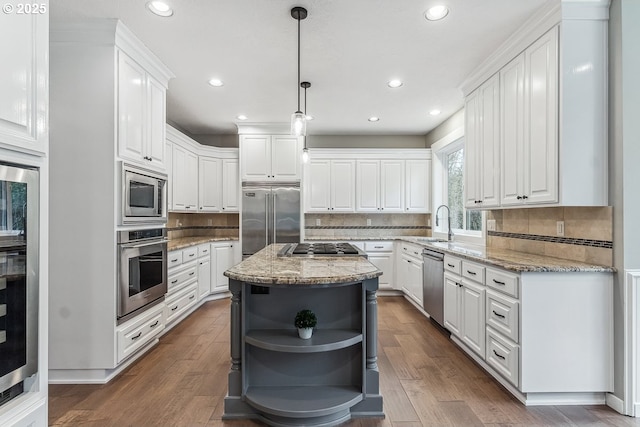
(174, 260)
(155, 324)
(192, 297)
(525, 197)
(201, 262)
(499, 355)
(191, 255)
(192, 273)
(173, 282)
(519, 197)
(174, 308)
(473, 273)
(450, 265)
(137, 336)
(200, 207)
(459, 284)
(378, 247)
(498, 282)
(498, 314)
(187, 207)
(409, 261)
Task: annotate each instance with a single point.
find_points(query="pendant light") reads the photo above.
(298, 119)
(305, 151)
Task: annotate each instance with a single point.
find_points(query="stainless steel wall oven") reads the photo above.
(142, 278)
(19, 277)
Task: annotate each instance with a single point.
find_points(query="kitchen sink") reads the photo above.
(429, 239)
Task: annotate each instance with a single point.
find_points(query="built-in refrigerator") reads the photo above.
(270, 214)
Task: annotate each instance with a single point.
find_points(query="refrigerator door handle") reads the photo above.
(266, 220)
(275, 212)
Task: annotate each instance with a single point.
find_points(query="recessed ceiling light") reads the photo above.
(394, 83)
(160, 8)
(435, 112)
(241, 117)
(216, 82)
(436, 13)
(374, 119)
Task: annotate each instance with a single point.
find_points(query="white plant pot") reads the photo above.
(305, 333)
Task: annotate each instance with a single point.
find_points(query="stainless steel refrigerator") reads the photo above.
(270, 214)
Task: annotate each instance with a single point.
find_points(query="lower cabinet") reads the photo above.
(139, 331)
(464, 311)
(410, 271)
(180, 302)
(380, 254)
(222, 258)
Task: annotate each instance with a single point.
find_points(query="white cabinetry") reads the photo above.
(185, 179)
(329, 185)
(182, 293)
(410, 272)
(204, 270)
(482, 146)
(270, 157)
(141, 114)
(24, 80)
(224, 255)
(380, 186)
(380, 254)
(209, 184)
(140, 331)
(417, 182)
(230, 185)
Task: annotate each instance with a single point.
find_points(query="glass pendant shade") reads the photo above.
(305, 155)
(298, 124)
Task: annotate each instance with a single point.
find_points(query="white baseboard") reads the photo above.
(615, 403)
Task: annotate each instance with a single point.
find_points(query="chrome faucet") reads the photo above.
(450, 233)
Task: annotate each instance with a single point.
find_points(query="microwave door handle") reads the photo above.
(142, 245)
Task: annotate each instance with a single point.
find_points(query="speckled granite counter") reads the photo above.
(265, 267)
(185, 242)
(509, 260)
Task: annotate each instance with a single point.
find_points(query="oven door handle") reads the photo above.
(142, 245)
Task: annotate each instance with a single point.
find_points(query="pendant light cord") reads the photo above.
(299, 64)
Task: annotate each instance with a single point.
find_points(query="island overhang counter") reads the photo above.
(283, 380)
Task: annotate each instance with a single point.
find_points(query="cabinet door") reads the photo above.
(512, 131)
(204, 277)
(179, 178)
(210, 184)
(415, 281)
(155, 152)
(367, 186)
(191, 173)
(384, 263)
(343, 173)
(132, 94)
(230, 187)
(418, 186)
(488, 170)
(256, 157)
(169, 164)
(452, 304)
(318, 186)
(285, 158)
(224, 261)
(473, 321)
(392, 185)
(541, 120)
(472, 152)
(24, 77)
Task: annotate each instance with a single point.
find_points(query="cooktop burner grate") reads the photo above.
(321, 249)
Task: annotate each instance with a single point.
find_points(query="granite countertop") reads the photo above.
(507, 259)
(265, 267)
(185, 242)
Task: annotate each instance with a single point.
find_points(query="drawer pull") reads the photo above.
(192, 255)
(416, 253)
(473, 273)
(192, 273)
(174, 260)
(173, 282)
(498, 314)
(137, 336)
(498, 282)
(154, 324)
(174, 308)
(202, 263)
(498, 355)
(459, 284)
(378, 247)
(192, 297)
(451, 265)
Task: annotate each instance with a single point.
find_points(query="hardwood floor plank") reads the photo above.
(459, 414)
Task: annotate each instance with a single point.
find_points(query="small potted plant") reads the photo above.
(305, 322)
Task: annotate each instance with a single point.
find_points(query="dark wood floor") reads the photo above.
(425, 381)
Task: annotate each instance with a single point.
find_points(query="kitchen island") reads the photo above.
(283, 380)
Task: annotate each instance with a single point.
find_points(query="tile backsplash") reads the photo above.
(587, 232)
(366, 225)
(203, 224)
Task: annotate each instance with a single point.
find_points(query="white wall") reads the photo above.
(365, 141)
(456, 121)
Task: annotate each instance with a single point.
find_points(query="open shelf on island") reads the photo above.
(287, 340)
(303, 401)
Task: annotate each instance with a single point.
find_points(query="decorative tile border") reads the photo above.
(367, 227)
(567, 240)
(204, 227)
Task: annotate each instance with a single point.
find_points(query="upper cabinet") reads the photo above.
(355, 180)
(525, 109)
(270, 157)
(24, 79)
(141, 114)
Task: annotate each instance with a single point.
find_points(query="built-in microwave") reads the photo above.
(144, 195)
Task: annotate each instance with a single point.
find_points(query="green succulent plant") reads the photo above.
(305, 319)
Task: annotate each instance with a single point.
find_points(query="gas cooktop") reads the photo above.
(320, 249)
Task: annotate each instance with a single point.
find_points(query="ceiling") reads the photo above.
(350, 49)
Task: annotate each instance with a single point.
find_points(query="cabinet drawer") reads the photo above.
(181, 302)
(378, 246)
(503, 282)
(503, 314)
(452, 264)
(503, 356)
(473, 271)
(189, 254)
(411, 250)
(174, 258)
(178, 280)
(134, 334)
(204, 250)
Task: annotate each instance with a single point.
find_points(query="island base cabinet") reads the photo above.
(283, 380)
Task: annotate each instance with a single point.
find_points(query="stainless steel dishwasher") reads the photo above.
(433, 284)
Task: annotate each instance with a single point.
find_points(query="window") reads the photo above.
(461, 219)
